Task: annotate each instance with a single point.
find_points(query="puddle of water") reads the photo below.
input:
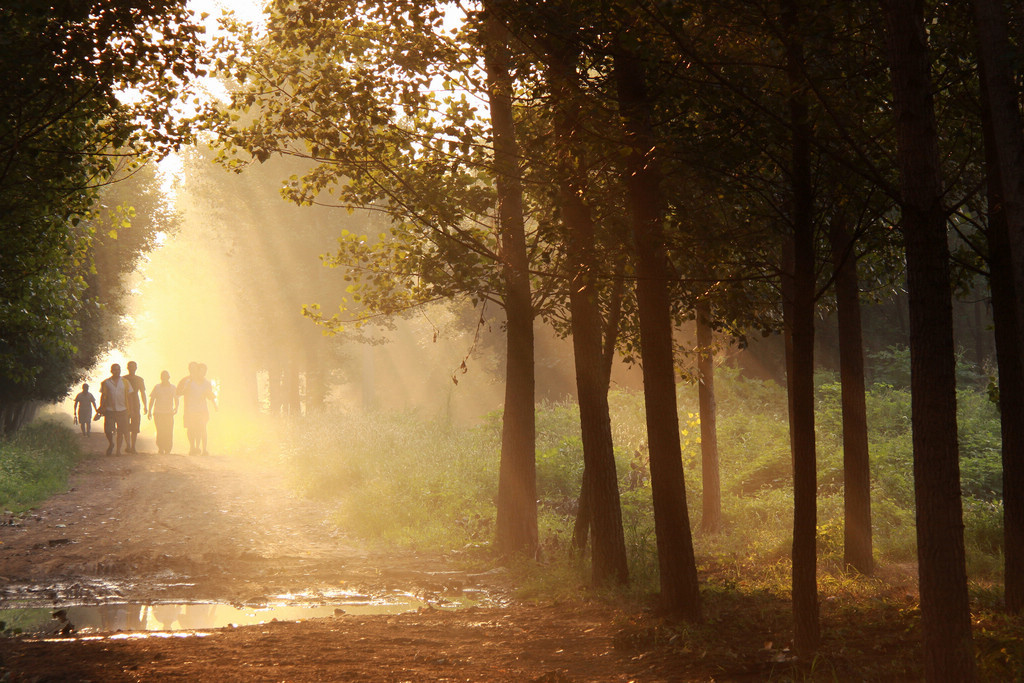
(169, 617)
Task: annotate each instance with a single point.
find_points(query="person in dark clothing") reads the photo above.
(85, 403)
(136, 403)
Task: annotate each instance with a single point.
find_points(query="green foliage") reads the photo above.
(376, 97)
(35, 463)
(64, 134)
(394, 477)
(398, 478)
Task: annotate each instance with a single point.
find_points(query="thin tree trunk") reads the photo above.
(1005, 157)
(582, 523)
(857, 549)
(945, 612)
(517, 480)
(609, 545)
(807, 630)
(711, 512)
(678, 568)
(292, 390)
(980, 334)
(316, 385)
(275, 387)
(1011, 397)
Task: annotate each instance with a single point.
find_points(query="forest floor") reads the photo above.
(152, 529)
(164, 536)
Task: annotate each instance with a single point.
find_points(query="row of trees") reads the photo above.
(617, 168)
(89, 88)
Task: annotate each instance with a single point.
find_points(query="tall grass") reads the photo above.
(35, 463)
(400, 479)
(396, 478)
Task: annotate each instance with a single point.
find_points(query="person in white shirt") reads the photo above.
(196, 390)
(163, 405)
(114, 408)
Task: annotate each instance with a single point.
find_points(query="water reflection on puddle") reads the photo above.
(168, 617)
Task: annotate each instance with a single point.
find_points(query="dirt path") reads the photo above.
(155, 527)
(160, 528)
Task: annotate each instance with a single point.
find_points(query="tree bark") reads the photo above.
(807, 630)
(711, 507)
(1004, 142)
(678, 568)
(602, 494)
(517, 480)
(945, 612)
(857, 547)
(581, 525)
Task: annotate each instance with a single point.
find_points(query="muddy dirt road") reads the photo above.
(155, 529)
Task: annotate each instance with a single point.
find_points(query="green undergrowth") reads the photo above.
(35, 463)
(394, 478)
(400, 479)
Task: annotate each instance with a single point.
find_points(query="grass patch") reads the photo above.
(35, 463)
(404, 480)
(395, 478)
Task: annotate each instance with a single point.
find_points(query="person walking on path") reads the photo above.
(207, 395)
(85, 403)
(196, 391)
(114, 407)
(136, 402)
(163, 405)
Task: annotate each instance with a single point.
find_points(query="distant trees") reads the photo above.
(67, 128)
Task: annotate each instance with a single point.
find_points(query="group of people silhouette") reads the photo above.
(123, 403)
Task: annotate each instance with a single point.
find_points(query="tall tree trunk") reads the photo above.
(678, 568)
(1005, 157)
(807, 630)
(609, 544)
(517, 478)
(581, 525)
(1011, 395)
(857, 551)
(711, 512)
(945, 612)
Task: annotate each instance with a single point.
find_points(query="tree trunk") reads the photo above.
(711, 512)
(293, 390)
(316, 384)
(857, 551)
(275, 389)
(581, 525)
(609, 545)
(517, 479)
(16, 414)
(807, 630)
(945, 612)
(678, 569)
(1005, 159)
